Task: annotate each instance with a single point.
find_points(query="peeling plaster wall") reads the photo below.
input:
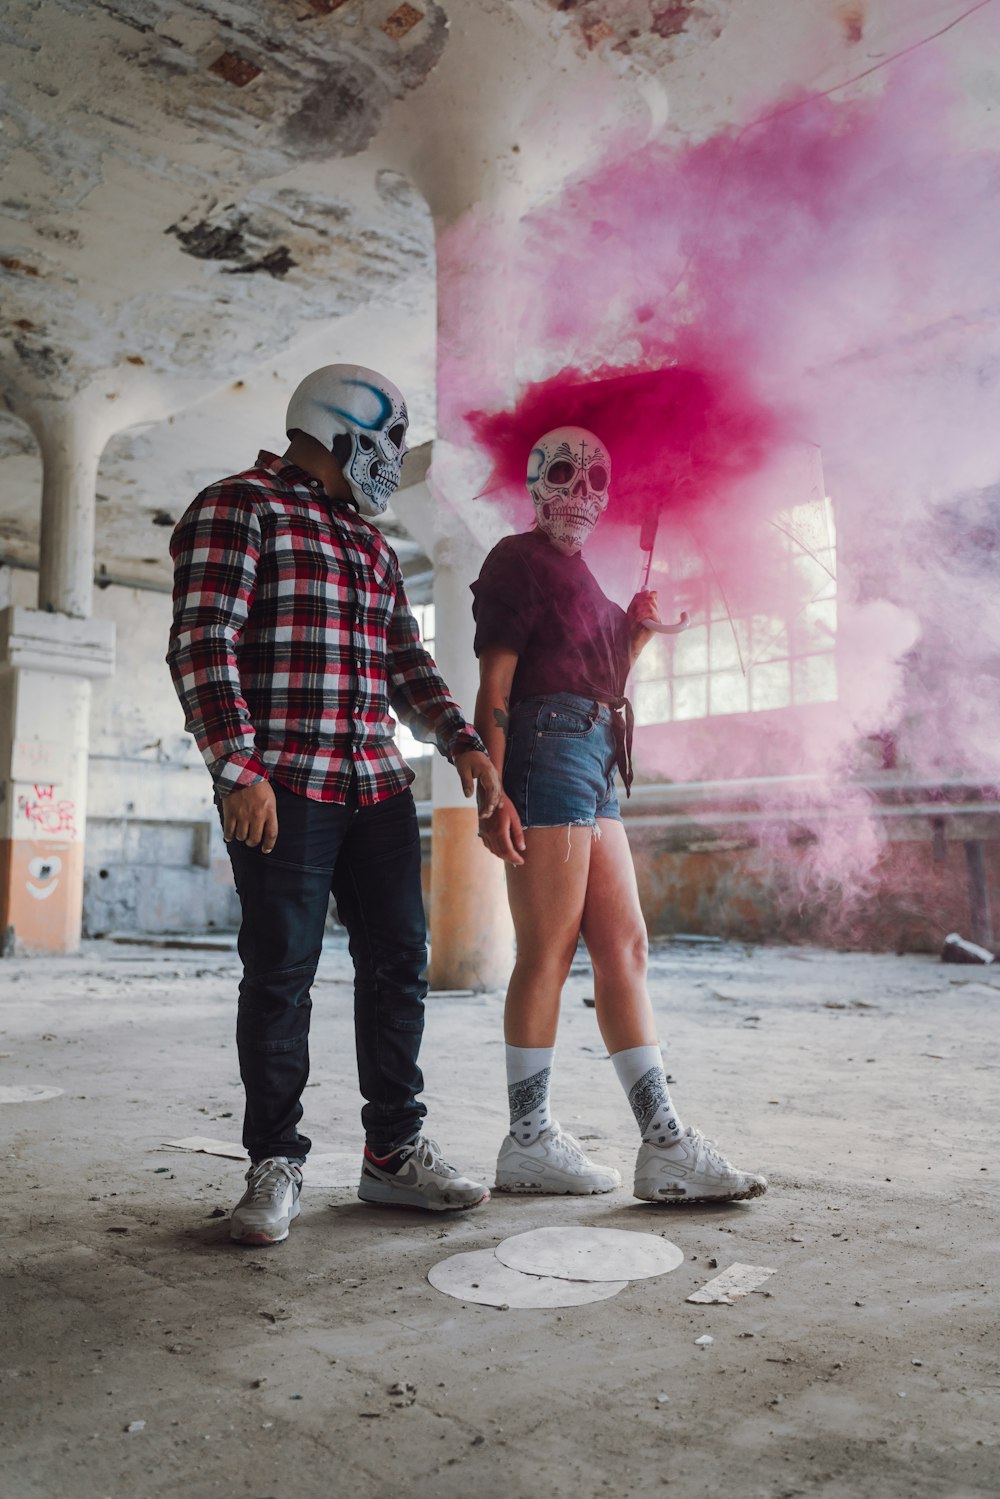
(710, 879)
(169, 211)
(149, 473)
(155, 859)
(659, 31)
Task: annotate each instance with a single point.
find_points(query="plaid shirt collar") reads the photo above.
(293, 477)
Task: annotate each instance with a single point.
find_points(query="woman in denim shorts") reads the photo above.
(555, 654)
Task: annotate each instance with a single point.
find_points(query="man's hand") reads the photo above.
(502, 833)
(473, 766)
(250, 815)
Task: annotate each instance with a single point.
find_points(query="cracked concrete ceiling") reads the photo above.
(204, 199)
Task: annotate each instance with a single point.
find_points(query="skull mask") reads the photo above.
(568, 476)
(365, 410)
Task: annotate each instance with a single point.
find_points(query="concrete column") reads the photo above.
(48, 656)
(471, 931)
(71, 443)
(46, 663)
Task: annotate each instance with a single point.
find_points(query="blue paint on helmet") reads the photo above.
(384, 404)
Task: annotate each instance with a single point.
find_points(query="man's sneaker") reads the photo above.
(693, 1170)
(418, 1176)
(554, 1163)
(269, 1203)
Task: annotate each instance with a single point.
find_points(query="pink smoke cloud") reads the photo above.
(824, 275)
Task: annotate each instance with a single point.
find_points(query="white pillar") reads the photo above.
(48, 656)
(46, 663)
(71, 444)
(471, 930)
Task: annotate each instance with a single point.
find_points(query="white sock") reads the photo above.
(529, 1072)
(640, 1072)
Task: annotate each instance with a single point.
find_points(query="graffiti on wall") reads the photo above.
(48, 813)
(44, 877)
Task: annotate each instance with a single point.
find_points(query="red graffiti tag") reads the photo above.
(48, 814)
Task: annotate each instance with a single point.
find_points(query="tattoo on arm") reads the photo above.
(501, 716)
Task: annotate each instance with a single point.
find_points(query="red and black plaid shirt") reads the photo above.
(292, 636)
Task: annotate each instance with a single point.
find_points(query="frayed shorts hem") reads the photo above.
(576, 822)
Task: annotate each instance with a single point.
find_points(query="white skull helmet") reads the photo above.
(569, 471)
(349, 401)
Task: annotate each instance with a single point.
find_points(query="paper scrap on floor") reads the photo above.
(324, 1168)
(28, 1093)
(589, 1253)
(739, 1280)
(478, 1276)
(206, 1146)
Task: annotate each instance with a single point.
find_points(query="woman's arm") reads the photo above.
(497, 665)
(501, 831)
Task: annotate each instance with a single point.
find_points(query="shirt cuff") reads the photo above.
(233, 772)
(466, 739)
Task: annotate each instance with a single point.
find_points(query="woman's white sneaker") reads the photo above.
(269, 1203)
(554, 1163)
(693, 1170)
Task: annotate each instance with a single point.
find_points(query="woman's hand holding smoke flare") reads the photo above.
(644, 614)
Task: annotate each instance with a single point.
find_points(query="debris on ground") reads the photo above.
(203, 1145)
(738, 1281)
(957, 950)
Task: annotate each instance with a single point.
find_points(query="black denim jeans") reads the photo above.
(369, 857)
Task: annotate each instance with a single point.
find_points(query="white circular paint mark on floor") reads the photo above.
(479, 1276)
(28, 1093)
(594, 1254)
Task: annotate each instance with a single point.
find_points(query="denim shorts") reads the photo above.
(559, 769)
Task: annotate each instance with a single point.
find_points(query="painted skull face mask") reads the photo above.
(569, 472)
(367, 411)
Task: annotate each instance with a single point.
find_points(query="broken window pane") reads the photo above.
(815, 629)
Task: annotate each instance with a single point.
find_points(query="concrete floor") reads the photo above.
(865, 1087)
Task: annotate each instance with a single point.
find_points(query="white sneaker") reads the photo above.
(420, 1178)
(693, 1170)
(269, 1203)
(553, 1163)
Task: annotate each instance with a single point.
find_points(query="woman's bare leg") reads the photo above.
(547, 894)
(615, 934)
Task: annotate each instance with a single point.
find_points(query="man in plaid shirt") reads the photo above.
(292, 638)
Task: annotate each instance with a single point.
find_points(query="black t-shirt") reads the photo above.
(548, 607)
